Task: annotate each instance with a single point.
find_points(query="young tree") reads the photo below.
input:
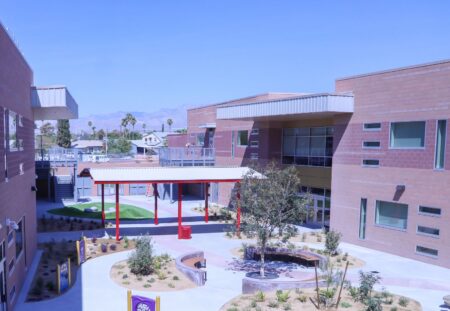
(47, 129)
(63, 136)
(270, 204)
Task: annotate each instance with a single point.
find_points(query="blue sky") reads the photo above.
(147, 55)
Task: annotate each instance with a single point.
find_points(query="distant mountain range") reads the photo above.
(153, 120)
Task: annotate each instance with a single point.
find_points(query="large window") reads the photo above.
(19, 238)
(362, 219)
(308, 146)
(408, 134)
(13, 141)
(393, 215)
(440, 144)
(242, 138)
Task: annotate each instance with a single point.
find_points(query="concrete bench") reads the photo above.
(188, 264)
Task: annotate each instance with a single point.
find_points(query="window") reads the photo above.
(371, 163)
(429, 211)
(426, 251)
(254, 131)
(254, 143)
(440, 144)
(19, 238)
(371, 144)
(428, 231)
(12, 134)
(308, 146)
(201, 139)
(393, 215)
(372, 126)
(362, 219)
(242, 138)
(11, 266)
(408, 134)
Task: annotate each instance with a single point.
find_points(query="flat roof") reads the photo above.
(444, 61)
(192, 174)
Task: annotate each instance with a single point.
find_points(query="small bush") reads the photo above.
(403, 301)
(287, 307)
(260, 296)
(332, 240)
(151, 280)
(141, 260)
(282, 296)
(233, 309)
(302, 298)
(175, 278)
(161, 275)
(104, 247)
(125, 276)
(373, 304)
(171, 285)
(393, 309)
(345, 305)
(253, 304)
(272, 304)
(304, 236)
(113, 247)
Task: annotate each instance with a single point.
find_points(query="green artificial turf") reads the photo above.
(127, 211)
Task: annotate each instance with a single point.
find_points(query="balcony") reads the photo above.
(56, 157)
(53, 103)
(190, 156)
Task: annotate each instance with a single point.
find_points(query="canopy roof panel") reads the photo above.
(191, 174)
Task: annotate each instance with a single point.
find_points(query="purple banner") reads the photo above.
(139, 303)
(63, 277)
(82, 251)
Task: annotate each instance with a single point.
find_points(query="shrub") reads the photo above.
(394, 309)
(125, 276)
(272, 304)
(302, 298)
(345, 305)
(253, 304)
(94, 240)
(113, 247)
(142, 259)
(332, 240)
(287, 307)
(260, 296)
(373, 304)
(171, 285)
(366, 283)
(282, 296)
(304, 235)
(233, 309)
(104, 247)
(403, 301)
(175, 278)
(161, 275)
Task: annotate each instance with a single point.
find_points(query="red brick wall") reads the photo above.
(415, 94)
(16, 198)
(177, 140)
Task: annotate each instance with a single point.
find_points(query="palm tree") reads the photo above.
(133, 122)
(124, 124)
(143, 127)
(169, 123)
(93, 131)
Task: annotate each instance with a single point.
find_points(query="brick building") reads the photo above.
(20, 104)
(373, 154)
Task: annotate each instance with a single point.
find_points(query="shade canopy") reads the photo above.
(170, 174)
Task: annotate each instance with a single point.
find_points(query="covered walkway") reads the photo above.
(169, 175)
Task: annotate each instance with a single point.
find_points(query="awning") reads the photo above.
(53, 103)
(306, 106)
(170, 174)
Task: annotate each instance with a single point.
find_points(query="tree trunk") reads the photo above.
(262, 270)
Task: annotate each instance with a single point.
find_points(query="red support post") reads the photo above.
(103, 205)
(180, 191)
(155, 194)
(238, 216)
(206, 201)
(117, 213)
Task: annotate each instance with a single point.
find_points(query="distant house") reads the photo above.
(88, 146)
(150, 143)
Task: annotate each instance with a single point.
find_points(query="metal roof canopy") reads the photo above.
(192, 174)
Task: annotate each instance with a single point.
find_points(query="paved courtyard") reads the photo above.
(94, 290)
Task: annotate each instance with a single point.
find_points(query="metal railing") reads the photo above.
(189, 156)
(58, 156)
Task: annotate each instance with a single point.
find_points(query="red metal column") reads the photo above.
(155, 194)
(206, 201)
(180, 191)
(103, 205)
(238, 216)
(117, 213)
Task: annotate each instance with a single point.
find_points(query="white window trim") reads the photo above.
(389, 227)
(371, 141)
(429, 214)
(238, 143)
(425, 254)
(408, 148)
(445, 145)
(377, 129)
(436, 236)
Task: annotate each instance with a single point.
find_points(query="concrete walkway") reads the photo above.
(95, 291)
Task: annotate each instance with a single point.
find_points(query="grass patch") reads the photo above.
(127, 212)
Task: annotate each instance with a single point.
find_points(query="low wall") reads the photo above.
(250, 285)
(198, 276)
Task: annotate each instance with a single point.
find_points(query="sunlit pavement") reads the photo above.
(95, 291)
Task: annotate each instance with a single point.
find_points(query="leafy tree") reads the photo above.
(101, 134)
(47, 129)
(141, 261)
(119, 145)
(169, 123)
(271, 204)
(63, 136)
(332, 241)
